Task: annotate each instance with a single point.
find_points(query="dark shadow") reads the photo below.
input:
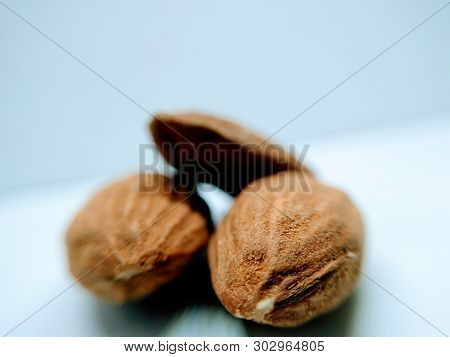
(149, 317)
(334, 324)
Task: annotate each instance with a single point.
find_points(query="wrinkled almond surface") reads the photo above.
(283, 256)
(221, 152)
(129, 240)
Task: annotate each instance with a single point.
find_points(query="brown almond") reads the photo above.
(220, 151)
(134, 236)
(283, 256)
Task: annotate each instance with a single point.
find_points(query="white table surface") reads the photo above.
(398, 175)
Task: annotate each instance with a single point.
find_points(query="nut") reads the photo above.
(220, 151)
(134, 236)
(282, 256)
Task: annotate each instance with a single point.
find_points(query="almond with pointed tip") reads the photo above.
(134, 236)
(218, 151)
(283, 256)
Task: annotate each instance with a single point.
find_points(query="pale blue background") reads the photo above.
(259, 61)
(384, 137)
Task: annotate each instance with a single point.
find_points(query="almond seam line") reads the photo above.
(373, 59)
(90, 69)
(154, 117)
(117, 89)
(372, 280)
(43, 306)
(330, 91)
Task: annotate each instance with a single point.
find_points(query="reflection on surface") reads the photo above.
(189, 307)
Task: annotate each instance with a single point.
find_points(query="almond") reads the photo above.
(282, 256)
(219, 151)
(134, 236)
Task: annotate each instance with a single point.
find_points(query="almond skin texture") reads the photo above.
(283, 256)
(220, 151)
(134, 236)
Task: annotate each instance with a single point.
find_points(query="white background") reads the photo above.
(383, 137)
(332, 346)
(260, 62)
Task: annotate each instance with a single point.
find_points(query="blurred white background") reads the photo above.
(260, 62)
(383, 136)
